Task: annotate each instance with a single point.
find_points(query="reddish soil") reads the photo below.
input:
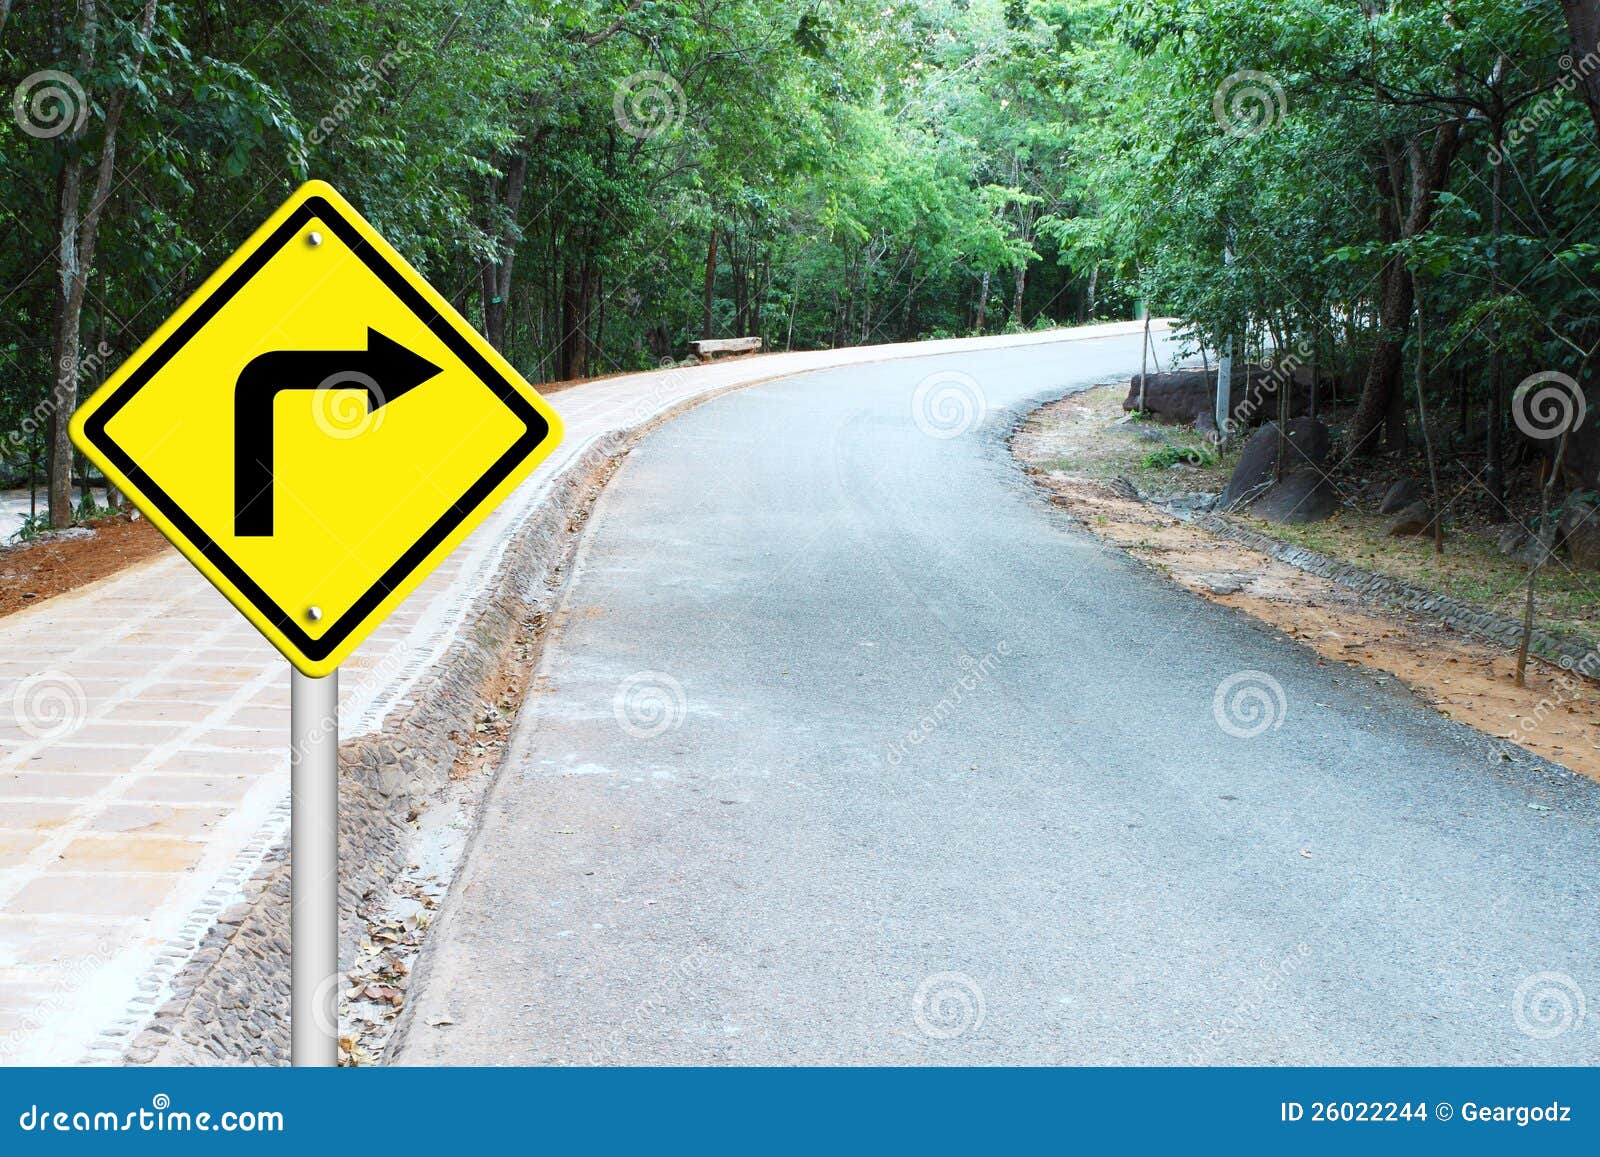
(35, 571)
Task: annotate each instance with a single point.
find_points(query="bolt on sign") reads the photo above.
(316, 429)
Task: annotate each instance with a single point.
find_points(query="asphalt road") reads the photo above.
(850, 749)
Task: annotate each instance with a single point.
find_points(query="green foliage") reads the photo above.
(1169, 456)
(33, 526)
(854, 172)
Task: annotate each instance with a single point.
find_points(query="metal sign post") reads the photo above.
(314, 869)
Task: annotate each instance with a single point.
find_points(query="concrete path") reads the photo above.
(143, 744)
(850, 750)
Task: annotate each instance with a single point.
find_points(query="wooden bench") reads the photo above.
(710, 347)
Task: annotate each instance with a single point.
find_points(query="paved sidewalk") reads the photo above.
(143, 739)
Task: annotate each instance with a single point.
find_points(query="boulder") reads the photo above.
(1580, 466)
(1515, 542)
(1579, 528)
(1401, 495)
(1177, 396)
(1190, 396)
(1416, 518)
(1373, 492)
(1511, 539)
(1309, 443)
(1255, 394)
(1299, 497)
(1583, 545)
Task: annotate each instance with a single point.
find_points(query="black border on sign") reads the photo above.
(535, 430)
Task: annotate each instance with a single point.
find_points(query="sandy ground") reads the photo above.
(1557, 715)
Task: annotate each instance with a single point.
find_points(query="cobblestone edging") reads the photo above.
(230, 1002)
(1570, 653)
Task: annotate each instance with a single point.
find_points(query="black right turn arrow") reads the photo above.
(384, 370)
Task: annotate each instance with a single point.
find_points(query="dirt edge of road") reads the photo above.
(429, 763)
(1459, 674)
(31, 573)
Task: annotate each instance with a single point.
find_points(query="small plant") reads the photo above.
(33, 525)
(88, 510)
(1169, 456)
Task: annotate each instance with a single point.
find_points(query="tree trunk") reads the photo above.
(1384, 371)
(1494, 472)
(1426, 173)
(1016, 300)
(737, 281)
(711, 284)
(575, 293)
(1422, 422)
(1583, 23)
(983, 303)
(497, 273)
(1144, 360)
(69, 312)
(77, 237)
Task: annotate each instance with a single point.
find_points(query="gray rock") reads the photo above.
(1579, 529)
(1512, 538)
(1190, 502)
(1309, 444)
(1416, 518)
(1300, 497)
(1401, 495)
(1190, 396)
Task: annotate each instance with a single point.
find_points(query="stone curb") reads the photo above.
(1569, 653)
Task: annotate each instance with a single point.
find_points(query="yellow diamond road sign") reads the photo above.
(316, 428)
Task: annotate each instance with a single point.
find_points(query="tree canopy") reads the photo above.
(594, 183)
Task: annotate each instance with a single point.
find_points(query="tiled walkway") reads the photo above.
(143, 741)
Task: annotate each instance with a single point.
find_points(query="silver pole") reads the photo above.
(314, 870)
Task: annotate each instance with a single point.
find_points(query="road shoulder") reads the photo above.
(1071, 451)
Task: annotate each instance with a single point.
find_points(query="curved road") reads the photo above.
(849, 749)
